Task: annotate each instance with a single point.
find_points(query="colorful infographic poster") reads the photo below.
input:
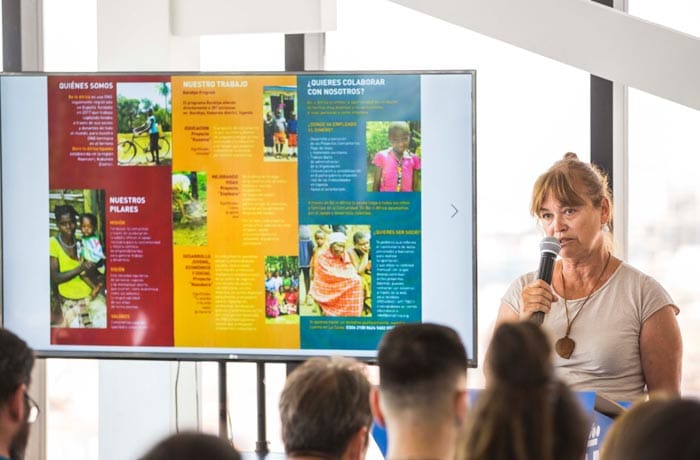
(250, 207)
(125, 295)
(361, 154)
(241, 212)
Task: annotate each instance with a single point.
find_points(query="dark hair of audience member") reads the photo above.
(324, 403)
(16, 362)
(190, 445)
(654, 429)
(419, 364)
(524, 413)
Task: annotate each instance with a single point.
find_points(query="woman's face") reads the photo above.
(578, 228)
(66, 225)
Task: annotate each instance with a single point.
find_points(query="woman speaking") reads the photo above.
(613, 328)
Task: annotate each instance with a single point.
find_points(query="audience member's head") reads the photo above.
(16, 363)
(422, 393)
(524, 412)
(192, 445)
(324, 409)
(654, 429)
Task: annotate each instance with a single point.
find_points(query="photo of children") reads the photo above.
(189, 192)
(279, 123)
(338, 281)
(144, 126)
(281, 290)
(395, 168)
(77, 261)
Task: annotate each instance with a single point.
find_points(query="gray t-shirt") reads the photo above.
(607, 357)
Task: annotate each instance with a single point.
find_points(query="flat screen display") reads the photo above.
(236, 216)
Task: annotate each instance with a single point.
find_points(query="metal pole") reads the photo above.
(223, 402)
(261, 446)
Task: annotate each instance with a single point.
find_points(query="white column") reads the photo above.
(135, 35)
(620, 179)
(33, 60)
(314, 51)
(32, 35)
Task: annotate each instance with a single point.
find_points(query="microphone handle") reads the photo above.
(537, 318)
(544, 273)
(546, 267)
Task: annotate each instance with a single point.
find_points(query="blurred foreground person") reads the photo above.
(656, 429)
(17, 409)
(422, 395)
(191, 445)
(324, 410)
(524, 413)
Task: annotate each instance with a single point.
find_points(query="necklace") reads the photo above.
(60, 240)
(565, 346)
(399, 170)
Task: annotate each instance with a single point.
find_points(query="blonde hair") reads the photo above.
(572, 181)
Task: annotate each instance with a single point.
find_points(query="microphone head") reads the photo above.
(551, 245)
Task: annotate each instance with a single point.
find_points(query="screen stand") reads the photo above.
(223, 403)
(261, 446)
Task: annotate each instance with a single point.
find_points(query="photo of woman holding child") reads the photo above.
(76, 267)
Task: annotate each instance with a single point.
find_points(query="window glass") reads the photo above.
(72, 387)
(683, 15)
(664, 230)
(243, 52)
(70, 36)
(530, 111)
(664, 210)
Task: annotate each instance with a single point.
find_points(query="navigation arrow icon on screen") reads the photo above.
(456, 211)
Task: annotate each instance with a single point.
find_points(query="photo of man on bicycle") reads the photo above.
(144, 123)
(151, 126)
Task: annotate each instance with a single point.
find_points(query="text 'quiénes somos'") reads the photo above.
(73, 85)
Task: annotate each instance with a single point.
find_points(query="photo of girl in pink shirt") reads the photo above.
(396, 169)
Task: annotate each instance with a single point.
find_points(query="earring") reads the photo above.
(606, 229)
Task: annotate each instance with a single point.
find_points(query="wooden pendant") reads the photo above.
(564, 347)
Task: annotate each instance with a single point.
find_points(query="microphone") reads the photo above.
(549, 250)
